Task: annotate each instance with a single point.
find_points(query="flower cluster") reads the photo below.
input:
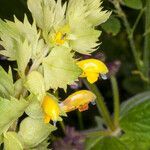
(44, 52)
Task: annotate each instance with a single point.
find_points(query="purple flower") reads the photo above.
(113, 67)
(73, 140)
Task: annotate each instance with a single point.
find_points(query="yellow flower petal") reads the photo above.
(78, 100)
(50, 108)
(59, 38)
(92, 77)
(92, 68)
(47, 118)
(93, 65)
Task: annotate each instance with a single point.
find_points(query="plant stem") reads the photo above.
(97, 133)
(116, 100)
(62, 126)
(146, 57)
(101, 105)
(80, 120)
(138, 19)
(129, 32)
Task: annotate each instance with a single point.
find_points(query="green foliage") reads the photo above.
(108, 143)
(91, 142)
(134, 101)
(136, 121)
(11, 140)
(135, 4)
(33, 131)
(112, 26)
(6, 84)
(134, 143)
(60, 68)
(10, 110)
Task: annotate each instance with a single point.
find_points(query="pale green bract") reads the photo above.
(95, 14)
(34, 131)
(60, 68)
(11, 140)
(44, 52)
(20, 40)
(80, 17)
(10, 110)
(35, 84)
(6, 84)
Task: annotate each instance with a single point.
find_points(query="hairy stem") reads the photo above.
(116, 100)
(146, 57)
(101, 105)
(129, 31)
(80, 120)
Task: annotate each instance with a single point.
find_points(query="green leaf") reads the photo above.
(109, 143)
(134, 143)
(6, 84)
(10, 110)
(134, 101)
(11, 140)
(60, 68)
(112, 26)
(136, 121)
(33, 132)
(91, 142)
(135, 4)
(35, 84)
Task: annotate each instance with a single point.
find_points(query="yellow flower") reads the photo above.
(51, 109)
(60, 37)
(78, 100)
(92, 68)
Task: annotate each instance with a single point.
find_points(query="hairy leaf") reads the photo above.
(109, 143)
(134, 143)
(134, 101)
(137, 121)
